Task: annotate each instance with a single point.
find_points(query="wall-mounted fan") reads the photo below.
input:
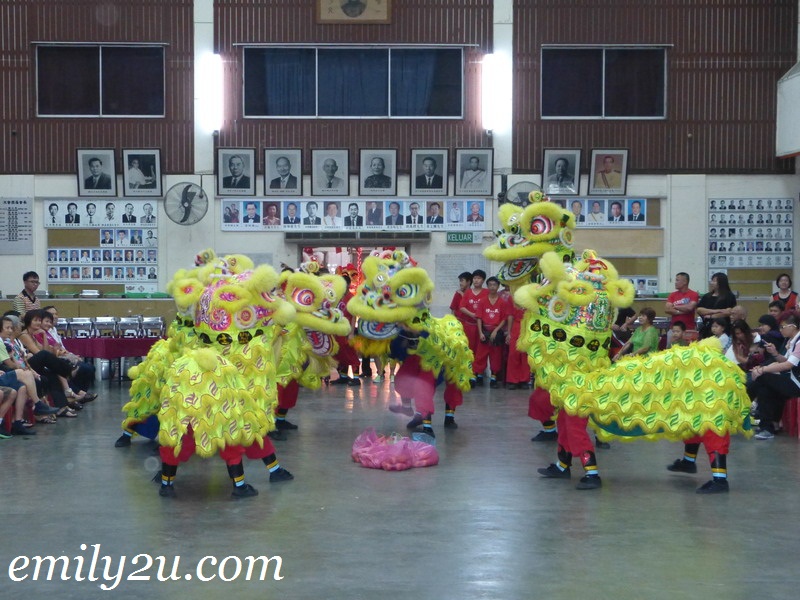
(186, 203)
(518, 193)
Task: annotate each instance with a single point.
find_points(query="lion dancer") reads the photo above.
(392, 307)
(717, 447)
(346, 358)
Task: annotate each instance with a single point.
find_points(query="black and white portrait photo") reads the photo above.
(562, 170)
(236, 172)
(429, 172)
(282, 174)
(377, 175)
(96, 172)
(329, 172)
(141, 174)
(474, 171)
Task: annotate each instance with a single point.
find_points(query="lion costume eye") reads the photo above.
(541, 225)
(303, 297)
(407, 290)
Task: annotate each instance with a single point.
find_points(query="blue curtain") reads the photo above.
(412, 82)
(289, 81)
(353, 83)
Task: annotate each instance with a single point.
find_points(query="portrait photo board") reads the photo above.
(103, 182)
(321, 183)
(561, 174)
(608, 174)
(371, 183)
(439, 178)
(232, 182)
(473, 179)
(141, 172)
(293, 185)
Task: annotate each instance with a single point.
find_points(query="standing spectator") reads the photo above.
(491, 316)
(785, 292)
(469, 309)
(27, 300)
(681, 303)
(464, 281)
(716, 303)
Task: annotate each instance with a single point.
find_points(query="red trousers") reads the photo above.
(232, 455)
(713, 443)
(539, 406)
(471, 331)
(572, 435)
(488, 353)
(346, 356)
(413, 382)
(287, 396)
(517, 368)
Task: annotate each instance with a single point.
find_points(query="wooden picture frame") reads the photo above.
(283, 174)
(236, 169)
(354, 12)
(474, 168)
(97, 173)
(608, 175)
(141, 174)
(377, 175)
(561, 173)
(429, 176)
(329, 180)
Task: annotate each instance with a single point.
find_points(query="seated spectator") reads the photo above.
(83, 375)
(678, 334)
(774, 383)
(645, 339)
(719, 329)
(742, 351)
(776, 308)
(43, 360)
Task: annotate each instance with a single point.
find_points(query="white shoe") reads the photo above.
(764, 434)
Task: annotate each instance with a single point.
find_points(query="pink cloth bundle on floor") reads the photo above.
(392, 453)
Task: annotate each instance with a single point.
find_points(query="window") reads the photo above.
(107, 81)
(613, 83)
(353, 82)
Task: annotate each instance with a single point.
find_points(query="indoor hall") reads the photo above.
(480, 524)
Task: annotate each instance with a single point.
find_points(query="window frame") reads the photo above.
(317, 47)
(99, 46)
(604, 47)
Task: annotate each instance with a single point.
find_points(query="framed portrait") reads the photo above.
(283, 172)
(330, 172)
(474, 171)
(96, 172)
(354, 12)
(141, 175)
(608, 174)
(236, 168)
(377, 175)
(429, 175)
(562, 171)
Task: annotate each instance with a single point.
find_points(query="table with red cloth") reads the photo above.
(110, 348)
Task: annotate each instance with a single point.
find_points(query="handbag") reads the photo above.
(499, 338)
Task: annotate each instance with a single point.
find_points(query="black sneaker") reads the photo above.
(511, 386)
(414, 422)
(553, 472)
(166, 491)
(716, 486)
(342, 380)
(40, 408)
(277, 435)
(402, 409)
(473, 383)
(545, 436)
(17, 428)
(353, 381)
(426, 430)
(601, 445)
(280, 474)
(450, 423)
(283, 424)
(682, 466)
(244, 491)
(493, 383)
(589, 482)
(479, 381)
(123, 441)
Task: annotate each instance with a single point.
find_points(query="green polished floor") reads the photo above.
(481, 524)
